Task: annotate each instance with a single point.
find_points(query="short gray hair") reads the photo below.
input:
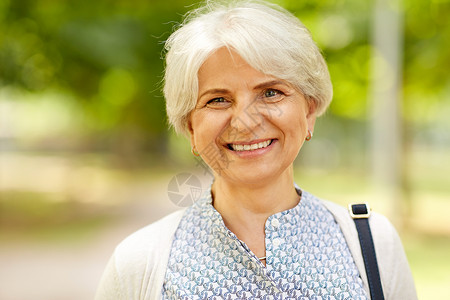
(266, 36)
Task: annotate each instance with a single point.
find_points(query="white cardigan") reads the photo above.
(138, 266)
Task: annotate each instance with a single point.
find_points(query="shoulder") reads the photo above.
(383, 232)
(378, 222)
(151, 239)
(137, 267)
(394, 269)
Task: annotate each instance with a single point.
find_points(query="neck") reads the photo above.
(234, 200)
(245, 207)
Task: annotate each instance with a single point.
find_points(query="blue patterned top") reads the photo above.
(307, 257)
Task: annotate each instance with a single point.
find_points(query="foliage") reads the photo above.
(107, 56)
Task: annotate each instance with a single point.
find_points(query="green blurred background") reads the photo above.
(86, 154)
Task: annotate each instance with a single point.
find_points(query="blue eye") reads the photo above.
(216, 100)
(218, 103)
(271, 93)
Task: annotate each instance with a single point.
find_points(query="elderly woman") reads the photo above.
(245, 82)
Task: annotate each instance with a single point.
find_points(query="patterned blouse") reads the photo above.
(307, 257)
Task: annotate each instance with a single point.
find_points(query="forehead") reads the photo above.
(225, 66)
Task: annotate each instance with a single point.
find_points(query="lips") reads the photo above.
(250, 147)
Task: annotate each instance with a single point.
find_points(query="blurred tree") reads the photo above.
(107, 55)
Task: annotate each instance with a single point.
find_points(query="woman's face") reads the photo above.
(247, 126)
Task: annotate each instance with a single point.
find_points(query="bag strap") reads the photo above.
(360, 214)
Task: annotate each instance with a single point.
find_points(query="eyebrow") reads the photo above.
(269, 83)
(257, 87)
(214, 91)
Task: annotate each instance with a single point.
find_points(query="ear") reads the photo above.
(311, 113)
(191, 132)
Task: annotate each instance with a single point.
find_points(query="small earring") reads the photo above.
(309, 136)
(195, 152)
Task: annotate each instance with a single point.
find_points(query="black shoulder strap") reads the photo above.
(360, 214)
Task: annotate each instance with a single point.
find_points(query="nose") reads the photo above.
(247, 121)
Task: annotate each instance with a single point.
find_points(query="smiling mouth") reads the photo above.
(250, 147)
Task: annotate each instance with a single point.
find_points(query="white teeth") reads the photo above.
(251, 147)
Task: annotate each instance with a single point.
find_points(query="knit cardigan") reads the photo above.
(138, 265)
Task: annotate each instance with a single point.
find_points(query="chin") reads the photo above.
(254, 177)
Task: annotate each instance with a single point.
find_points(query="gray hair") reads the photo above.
(268, 37)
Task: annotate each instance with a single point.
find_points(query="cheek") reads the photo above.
(207, 128)
(293, 121)
(207, 139)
